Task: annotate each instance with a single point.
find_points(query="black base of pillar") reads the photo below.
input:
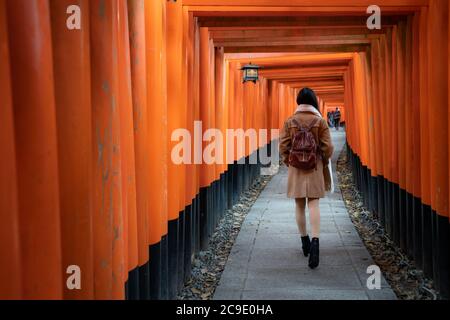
(155, 271)
(427, 244)
(180, 260)
(188, 226)
(164, 268)
(381, 206)
(442, 252)
(417, 232)
(144, 281)
(173, 259)
(132, 285)
(402, 219)
(412, 225)
(204, 218)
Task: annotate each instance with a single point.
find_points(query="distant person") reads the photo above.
(331, 119)
(306, 148)
(337, 118)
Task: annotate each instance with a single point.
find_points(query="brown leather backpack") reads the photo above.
(304, 148)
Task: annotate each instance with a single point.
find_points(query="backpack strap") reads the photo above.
(307, 128)
(313, 123)
(296, 123)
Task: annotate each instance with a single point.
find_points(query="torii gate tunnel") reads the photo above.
(87, 114)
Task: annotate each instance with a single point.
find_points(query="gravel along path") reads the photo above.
(408, 282)
(208, 266)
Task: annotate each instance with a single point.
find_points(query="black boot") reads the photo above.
(314, 255)
(306, 245)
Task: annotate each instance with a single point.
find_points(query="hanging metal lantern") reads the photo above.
(251, 72)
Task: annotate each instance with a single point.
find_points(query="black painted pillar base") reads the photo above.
(204, 217)
(417, 232)
(373, 192)
(427, 245)
(188, 241)
(409, 225)
(132, 285)
(230, 186)
(396, 214)
(402, 219)
(236, 181)
(173, 259)
(197, 224)
(388, 208)
(165, 267)
(155, 271)
(381, 201)
(223, 194)
(443, 270)
(180, 260)
(413, 226)
(144, 281)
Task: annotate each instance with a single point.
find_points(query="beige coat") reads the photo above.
(307, 184)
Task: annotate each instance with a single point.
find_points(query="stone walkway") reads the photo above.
(266, 262)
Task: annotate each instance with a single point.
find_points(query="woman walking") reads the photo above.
(306, 148)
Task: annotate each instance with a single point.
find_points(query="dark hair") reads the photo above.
(307, 96)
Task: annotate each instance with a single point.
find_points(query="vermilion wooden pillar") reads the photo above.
(155, 73)
(401, 129)
(129, 212)
(212, 106)
(410, 96)
(385, 95)
(231, 111)
(360, 100)
(409, 108)
(138, 225)
(226, 105)
(395, 151)
(388, 120)
(36, 148)
(190, 168)
(370, 92)
(381, 131)
(207, 118)
(439, 155)
(106, 148)
(239, 125)
(175, 120)
(239, 110)
(439, 102)
(157, 118)
(275, 108)
(197, 149)
(417, 148)
(10, 269)
(207, 171)
(220, 106)
(182, 113)
(72, 69)
(134, 220)
(174, 102)
(247, 112)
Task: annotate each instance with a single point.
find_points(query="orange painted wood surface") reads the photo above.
(155, 31)
(72, 72)
(33, 99)
(10, 269)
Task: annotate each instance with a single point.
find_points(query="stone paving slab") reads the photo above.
(266, 261)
